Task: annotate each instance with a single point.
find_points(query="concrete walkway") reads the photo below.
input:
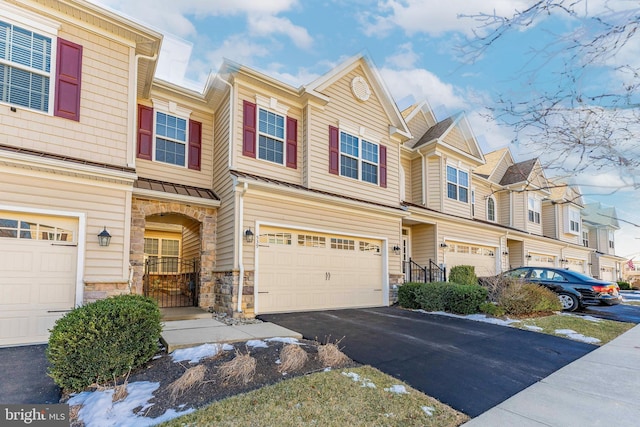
(190, 333)
(599, 389)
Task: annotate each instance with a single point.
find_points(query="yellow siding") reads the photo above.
(549, 220)
(417, 176)
(423, 244)
(263, 167)
(418, 126)
(263, 207)
(435, 183)
(103, 206)
(405, 164)
(101, 134)
(503, 201)
(520, 210)
(191, 241)
(183, 175)
(342, 108)
(500, 170)
(482, 193)
(456, 139)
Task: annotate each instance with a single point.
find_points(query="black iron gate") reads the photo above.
(414, 272)
(172, 282)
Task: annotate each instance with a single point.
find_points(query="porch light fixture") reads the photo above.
(564, 261)
(248, 235)
(444, 245)
(104, 238)
(396, 250)
(505, 252)
(528, 256)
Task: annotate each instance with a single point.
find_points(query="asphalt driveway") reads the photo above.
(470, 366)
(23, 373)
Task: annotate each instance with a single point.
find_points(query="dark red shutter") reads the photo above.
(249, 129)
(292, 143)
(68, 73)
(383, 166)
(145, 132)
(334, 150)
(195, 144)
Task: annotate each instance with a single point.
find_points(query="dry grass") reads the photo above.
(292, 358)
(239, 370)
(191, 377)
(327, 399)
(331, 356)
(73, 415)
(604, 330)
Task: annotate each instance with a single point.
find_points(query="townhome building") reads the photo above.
(251, 196)
(599, 224)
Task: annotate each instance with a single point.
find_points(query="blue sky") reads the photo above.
(413, 43)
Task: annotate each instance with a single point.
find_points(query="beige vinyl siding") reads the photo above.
(264, 167)
(344, 108)
(516, 253)
(103, 204)
(179, 174)
(419, 126)
(406, 165)
(417, 176)
(296, 213)
(101, 134)
(451, 206)
(482, 193)
(423, 244)
(435, 183)
(456, 139)
(191, 241)
(503, 203)
(551, 216)
(544, 248)
(458, 232)
(500, 170)
(520, 210)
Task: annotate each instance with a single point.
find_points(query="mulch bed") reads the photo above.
(164, 370)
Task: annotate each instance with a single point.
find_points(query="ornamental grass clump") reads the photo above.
(99, 341)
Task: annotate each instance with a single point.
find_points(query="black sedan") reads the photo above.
(574, 289)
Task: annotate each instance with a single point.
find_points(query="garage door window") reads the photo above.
(312, 241)
(17, 229)
(470, 249)
(369, 247)
(276, 238)
(344, 244)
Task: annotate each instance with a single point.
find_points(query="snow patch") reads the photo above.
(195, 354)
(576, 336)
(397, 388)
(98, 409)
(285, 340)
(428, 410)
(533, 328)
(257, 344)
(475, 317)
(364, 382)
(585, 317)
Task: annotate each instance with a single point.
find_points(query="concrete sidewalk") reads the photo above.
(599, 389)
(190, 333)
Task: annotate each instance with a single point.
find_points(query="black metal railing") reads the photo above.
(414, 272)
(172, 282)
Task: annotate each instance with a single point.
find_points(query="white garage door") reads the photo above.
(37, 275)
(541, 260)
(577, 265)
(301, 271)
(607, 273)
(483, 258)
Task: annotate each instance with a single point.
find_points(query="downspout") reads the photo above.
(424, 178)
(240, 254)
(137, 58)
(231, 116)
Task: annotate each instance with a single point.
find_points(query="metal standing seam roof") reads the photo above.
(172, 188)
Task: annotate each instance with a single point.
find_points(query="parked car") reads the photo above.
(574, 289)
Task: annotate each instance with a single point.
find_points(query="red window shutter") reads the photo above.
(334, 150)
(195, 144)
(292, 143)
(249, 129)
(145, 132)
(383, 166)
(68, 78)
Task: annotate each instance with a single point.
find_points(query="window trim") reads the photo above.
(170, 108)
(534, 215)
(359, 159)
(42, 26)
(495, 209)
(457, 184)
(572, 216)
(283, 141)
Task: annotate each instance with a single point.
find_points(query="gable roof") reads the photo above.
(492, 160)
(519, 172)
(598, 215)
(565, 193)
(396, 120)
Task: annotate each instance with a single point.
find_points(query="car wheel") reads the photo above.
(569, 302)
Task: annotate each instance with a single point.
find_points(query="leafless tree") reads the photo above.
(578, 105)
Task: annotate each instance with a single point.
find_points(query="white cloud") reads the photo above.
(264, 25)
(405, 58)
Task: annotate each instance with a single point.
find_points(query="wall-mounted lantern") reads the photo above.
(248, 235)
(396, 250)
(443, 245)
(104, 238)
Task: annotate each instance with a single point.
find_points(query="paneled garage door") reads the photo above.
(541, 260)
(483, 258)
(300, 271)
(577, 265)
(37, 275)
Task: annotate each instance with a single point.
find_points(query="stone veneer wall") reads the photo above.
(101, 290)
(207, 217)
(395, 280)
(226, 294)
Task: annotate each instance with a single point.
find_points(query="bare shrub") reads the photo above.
(495, 286)
(331, 356)
(292, 358)
(528, 298)
(239, 370)
(191, 377)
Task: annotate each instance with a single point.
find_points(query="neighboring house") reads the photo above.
(250, 197)
(599, 224)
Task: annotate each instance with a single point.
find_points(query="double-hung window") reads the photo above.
(163, 253)
(457, 184)
(25, 67)
(611, 241)
(359, 159)
(271, 136)
(534, 210)
(171, 139)
(572, 222)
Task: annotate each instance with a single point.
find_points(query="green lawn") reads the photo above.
(327, 399)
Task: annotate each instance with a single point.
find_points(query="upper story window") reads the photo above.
(585, 239)
(271, 136)
(534, 210)
(491, 209)
(358, 158)
(473, 203)
(611, 241)
(457, 184)
(25, 67)
(171, 139)
(572, 221)
(38, 70)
